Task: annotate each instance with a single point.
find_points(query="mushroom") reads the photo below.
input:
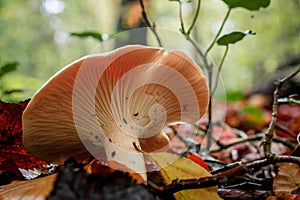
(112, 105)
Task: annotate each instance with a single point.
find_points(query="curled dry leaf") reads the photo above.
(173, 167)
(287, 179)
(34, 189)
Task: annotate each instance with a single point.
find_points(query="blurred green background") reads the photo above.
(36, 34)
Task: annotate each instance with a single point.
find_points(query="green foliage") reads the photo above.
(41, 42)
(254, 111)
(4, 70)
(232, 38)
(248, 4)
(232, 96)
(89, 34)
(9, 67)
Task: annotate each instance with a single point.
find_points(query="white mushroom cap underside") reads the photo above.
(116, 98)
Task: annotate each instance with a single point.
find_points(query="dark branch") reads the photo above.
(270, 132)
(151, 26)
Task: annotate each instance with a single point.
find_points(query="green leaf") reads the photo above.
(254, 111)
(248, 4)
(233, 37)
(9, 67)
(232, 96)
(7, 92)
(230, 38)
(94, 35)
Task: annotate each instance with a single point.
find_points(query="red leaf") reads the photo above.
(11, 146)
(289, 119)
(198, 160)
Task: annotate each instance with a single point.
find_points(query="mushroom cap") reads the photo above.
(102, 104)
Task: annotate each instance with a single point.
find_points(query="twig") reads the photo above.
(269, 133)
(217, 179)
(209, 125)
(226, 167)
(198, 50)
(283, 158)
(284, 129)
(255, 137)
(219, 32)
(243, 194)
(151, 26)
(219, 70)
(187, 34)
(182, 30)
(200, 128)
(195, 18)
(222, 177)
(179, 136)
(197, 12)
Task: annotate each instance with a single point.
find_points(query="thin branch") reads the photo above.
(197, 12)
(289, 159)
(284, 129)
(222, 177)
(219, 32)
(269, 133)
(226, 167)
(151, 26)
(217, 179)
(219, 70)
(199, 51)
(181, 18)
(200, 128)
(195, 18)
(187, 34)
(255, 137)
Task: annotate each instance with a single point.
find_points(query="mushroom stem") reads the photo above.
(119, 148)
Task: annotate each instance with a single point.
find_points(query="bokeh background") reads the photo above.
(37, 35)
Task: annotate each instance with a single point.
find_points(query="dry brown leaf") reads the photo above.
(285, 196)
(287, 179)
(174, 167)
(36, 189)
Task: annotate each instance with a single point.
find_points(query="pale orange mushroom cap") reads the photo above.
(103, 103)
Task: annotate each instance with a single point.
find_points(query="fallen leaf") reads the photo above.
(197, 159)
(247, 115)
(284, 196)
(174, 167)
(11, 146)
(287, 179)
(33, 189)
(289, 118)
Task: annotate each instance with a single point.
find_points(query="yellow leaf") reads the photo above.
(174, 167)
(287, 179)
(36, 189)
